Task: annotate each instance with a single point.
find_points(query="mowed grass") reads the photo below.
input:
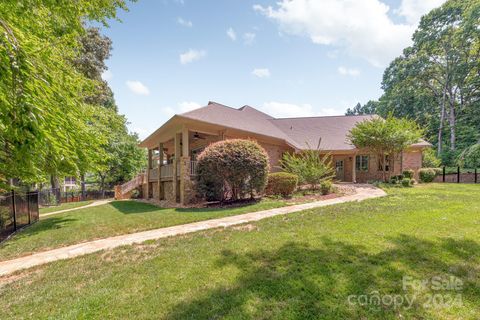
(64, 206)
(300, 266)
(115, 218)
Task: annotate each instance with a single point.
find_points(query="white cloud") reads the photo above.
(192, 55)
(138, 88)
(413, 10)
(188, 106)
(231, 34)
(185, 23)
(181, 107)
(107, 75)
(261, 73)
(249, 38)
(289, 110)
(361, 28)
(344, 71)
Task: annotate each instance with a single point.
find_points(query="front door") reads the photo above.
(339, 170)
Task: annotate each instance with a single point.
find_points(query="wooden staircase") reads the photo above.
(123, 191)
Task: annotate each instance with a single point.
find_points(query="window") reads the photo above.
(387, 163)
(361, 163)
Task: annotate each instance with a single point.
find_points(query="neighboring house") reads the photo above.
(69, 184)
(173, 148)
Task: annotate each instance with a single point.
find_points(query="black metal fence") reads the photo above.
(54, 197)
(458, 175)
(17, 210)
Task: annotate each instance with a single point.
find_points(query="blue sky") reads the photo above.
(285, 57)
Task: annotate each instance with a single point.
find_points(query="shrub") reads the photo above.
(407, 182)
(310, 166)
(426, 175)
(281, 183)
(438, 171)
(408, 173)
(231, 169)
(396, 179)
(326, 187)
(470, 158)
(429, 159)
(136, 194)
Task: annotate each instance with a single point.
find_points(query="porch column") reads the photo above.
(185, 183)
(160, 164)
(177, 156)
(149, 166)
(354, 168)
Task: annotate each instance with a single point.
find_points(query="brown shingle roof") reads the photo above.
(331, 132)
(246, 119)
(300, 133)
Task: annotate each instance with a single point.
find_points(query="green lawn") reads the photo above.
(115, 218)
(64, 206)
(301, 266)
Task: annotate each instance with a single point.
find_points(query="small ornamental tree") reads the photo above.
(384, 137)
(470, 158)
(232, 169)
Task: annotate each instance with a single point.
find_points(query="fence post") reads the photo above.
(14, 211)
(443, 174)
(28, 208)
(476, 175)
(458, 174)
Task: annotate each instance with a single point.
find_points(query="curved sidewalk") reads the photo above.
(93, 204)
(363, 192)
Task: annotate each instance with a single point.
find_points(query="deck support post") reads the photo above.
(149, 166)
(159, 173)
(354, 169)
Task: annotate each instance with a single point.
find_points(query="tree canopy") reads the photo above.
(54, 107)
(436, 81)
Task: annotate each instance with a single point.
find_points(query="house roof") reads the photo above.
(327, 133)
(245, 118)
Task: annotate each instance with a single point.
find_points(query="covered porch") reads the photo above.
(172, 162)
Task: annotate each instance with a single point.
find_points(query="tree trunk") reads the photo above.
(452, 121)
(442, 120)
(54, 181)
(82, 185)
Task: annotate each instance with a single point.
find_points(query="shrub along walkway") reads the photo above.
(93, 204)
(363, 192)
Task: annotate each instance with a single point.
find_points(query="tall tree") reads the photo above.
(368, 108)
(44, 121)
(436, 81)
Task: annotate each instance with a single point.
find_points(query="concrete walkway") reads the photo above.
(93, 204)
(6, 267)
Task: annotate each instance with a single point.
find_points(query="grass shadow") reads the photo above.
(300, 282)
(41, 226)
(132, 207)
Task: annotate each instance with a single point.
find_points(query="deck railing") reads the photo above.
(166, 171)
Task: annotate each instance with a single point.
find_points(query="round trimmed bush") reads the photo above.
(281, 183)
(426, 175)
(408, 173)
(231, 169)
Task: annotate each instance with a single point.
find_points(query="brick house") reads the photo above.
(173, 148)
